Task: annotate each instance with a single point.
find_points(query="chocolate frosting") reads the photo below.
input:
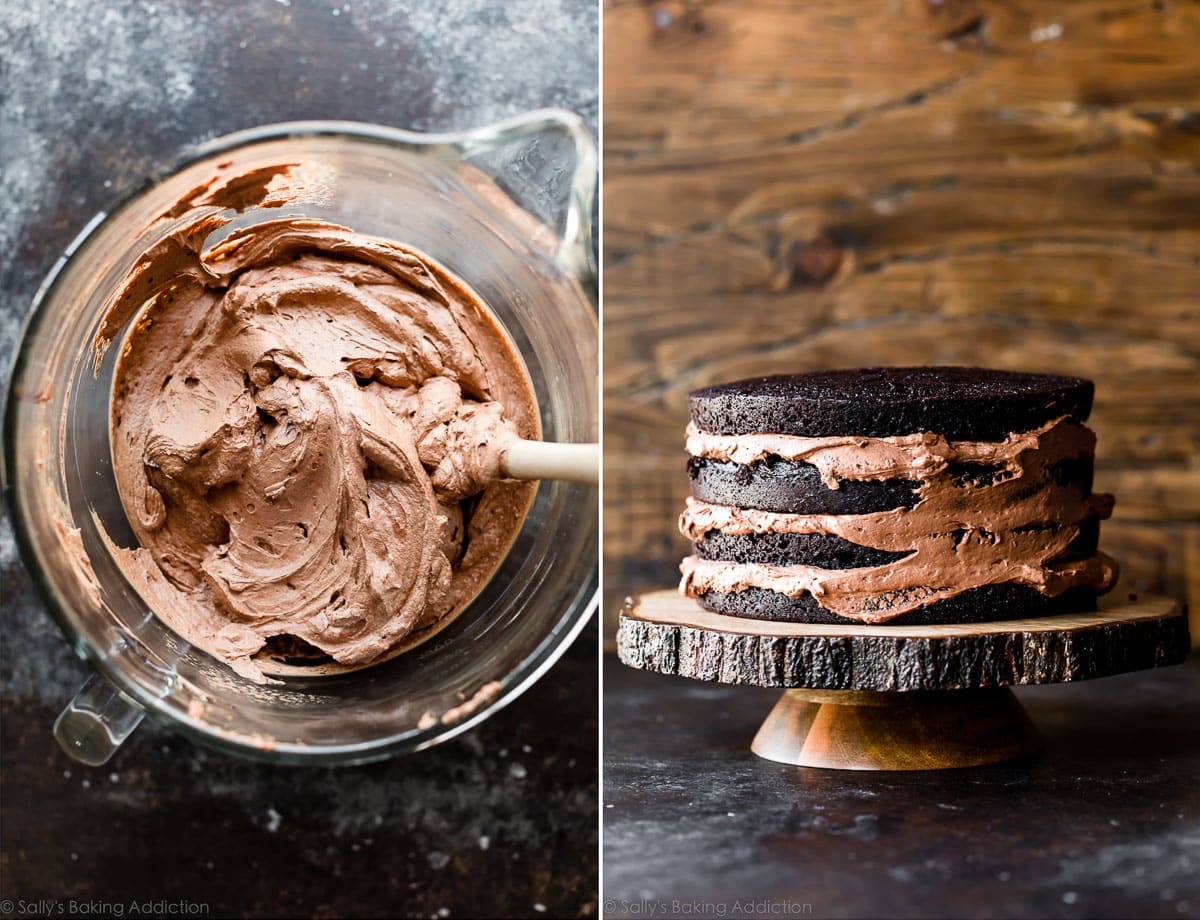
(307, 430)
(958, 535)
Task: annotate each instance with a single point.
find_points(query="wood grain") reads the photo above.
(670, 634)
(793, 186)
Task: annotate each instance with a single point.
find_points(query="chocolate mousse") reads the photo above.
(898, 495)
(306, 430)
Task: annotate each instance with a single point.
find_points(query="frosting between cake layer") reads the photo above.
(914, 456)
(882, 593)
(958, 536)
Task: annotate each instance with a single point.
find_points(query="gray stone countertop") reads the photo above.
(1106, 823)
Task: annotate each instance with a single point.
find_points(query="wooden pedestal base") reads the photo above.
(899, 697)
(868, 730)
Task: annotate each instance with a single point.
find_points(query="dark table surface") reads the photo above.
(499, 822)
(1105, 824)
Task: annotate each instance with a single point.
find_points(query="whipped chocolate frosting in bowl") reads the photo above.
(253, 432)
(307, 425)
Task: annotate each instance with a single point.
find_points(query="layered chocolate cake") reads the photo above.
(894, 495)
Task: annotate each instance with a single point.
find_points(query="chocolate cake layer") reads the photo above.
(795, 486)
(825, 551)
(976, 605)
(960, 403)
(792, 486)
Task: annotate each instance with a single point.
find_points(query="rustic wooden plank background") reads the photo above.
(792, 186)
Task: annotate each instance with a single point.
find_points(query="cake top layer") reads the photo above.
(961, 403)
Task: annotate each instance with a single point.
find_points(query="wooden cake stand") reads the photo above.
(899, 697)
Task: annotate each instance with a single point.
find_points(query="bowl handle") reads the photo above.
(96, 722)
(546, 162)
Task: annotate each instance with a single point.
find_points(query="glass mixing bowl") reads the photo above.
(508, 209)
